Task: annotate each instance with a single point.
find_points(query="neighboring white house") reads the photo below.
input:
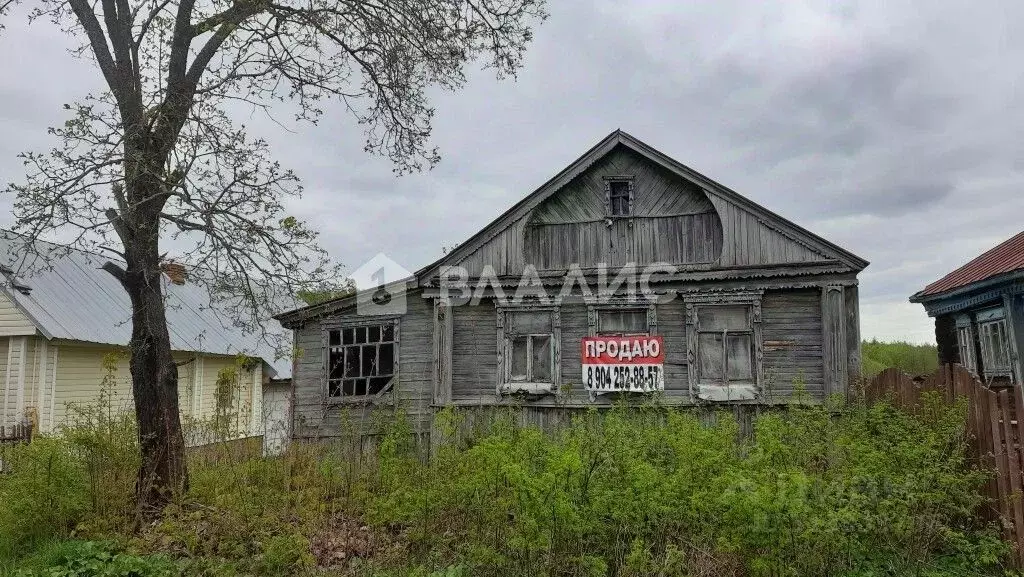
(58, 325)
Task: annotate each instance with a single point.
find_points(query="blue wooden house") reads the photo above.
(979, 313)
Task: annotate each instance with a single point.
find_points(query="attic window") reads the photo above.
(619, 195)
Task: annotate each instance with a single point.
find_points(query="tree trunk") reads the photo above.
(163, 472)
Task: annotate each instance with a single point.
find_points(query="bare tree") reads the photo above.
(156, 160)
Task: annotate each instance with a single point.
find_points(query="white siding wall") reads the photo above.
(12, 321)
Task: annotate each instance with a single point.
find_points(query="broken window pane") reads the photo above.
(386, 360)
(377, 384)
(335, 364)
(738, 358)
(351, 362)
(518, 367)
(333, 338)
(374, 335)
(388, 334)
(541, 359)
(349, 336)
(370, 360)
(360, 335)
(710, 349)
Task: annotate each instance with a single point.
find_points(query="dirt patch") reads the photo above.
(345, 540)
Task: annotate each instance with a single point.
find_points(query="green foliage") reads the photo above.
(44, 495)
(92, 559)
(326, 292)
(910, 358)
(872, 491)
(842, 491)
(81, 480)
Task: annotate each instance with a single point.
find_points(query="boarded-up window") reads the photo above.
(725, 344)
(360, 360)
(622, 322)
(529, 352)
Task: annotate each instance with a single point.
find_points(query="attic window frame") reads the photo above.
(628, 179)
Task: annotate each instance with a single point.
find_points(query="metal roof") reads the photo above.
(71, 297)
(1005, 258)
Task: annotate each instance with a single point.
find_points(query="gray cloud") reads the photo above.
(890, 128)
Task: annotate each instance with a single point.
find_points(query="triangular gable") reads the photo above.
(780, 240)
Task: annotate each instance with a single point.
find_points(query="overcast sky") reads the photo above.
(891, 128)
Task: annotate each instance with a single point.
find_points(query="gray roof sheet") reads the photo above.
(72, 298)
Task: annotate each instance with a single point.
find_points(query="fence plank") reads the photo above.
(1012, 472)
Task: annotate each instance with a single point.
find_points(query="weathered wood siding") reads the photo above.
(792, 340)
(673, 221)
(684, 239)
(751, 241)
(315, 417)
(474, 351)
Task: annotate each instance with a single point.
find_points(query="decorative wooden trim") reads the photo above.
(504, 344)
(594, 311)
(962, 304)
(693, 302)
(1013, 344)
(630, 183)
(834, 354)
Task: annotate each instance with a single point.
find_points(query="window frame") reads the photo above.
(594, 315)
(608, 206)
(965, 343)
(505, 384)
(987, 322)
(339, 325)
(701, 387)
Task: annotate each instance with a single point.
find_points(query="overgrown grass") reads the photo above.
(848, 491)
(914, 359)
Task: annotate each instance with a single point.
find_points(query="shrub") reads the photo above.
(909, 358)
(92, 559)
(872, 491)
(43, 496)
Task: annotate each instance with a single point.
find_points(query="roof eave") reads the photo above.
(920, 297)
(291, 319)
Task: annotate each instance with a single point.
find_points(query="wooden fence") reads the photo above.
(995, 428)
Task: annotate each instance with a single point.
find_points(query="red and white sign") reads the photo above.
(623, 364)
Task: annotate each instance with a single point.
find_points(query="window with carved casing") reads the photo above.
(529, 339)
(995, 348)
(965, 344)
(618, 195)
(724, 347)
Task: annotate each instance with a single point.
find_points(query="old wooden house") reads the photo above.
(626, 275)
(979, 313)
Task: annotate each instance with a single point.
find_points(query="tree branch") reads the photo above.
(94, 31)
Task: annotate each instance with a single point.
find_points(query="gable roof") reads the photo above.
(1005, 258)
(606, 145)
(73, 298)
